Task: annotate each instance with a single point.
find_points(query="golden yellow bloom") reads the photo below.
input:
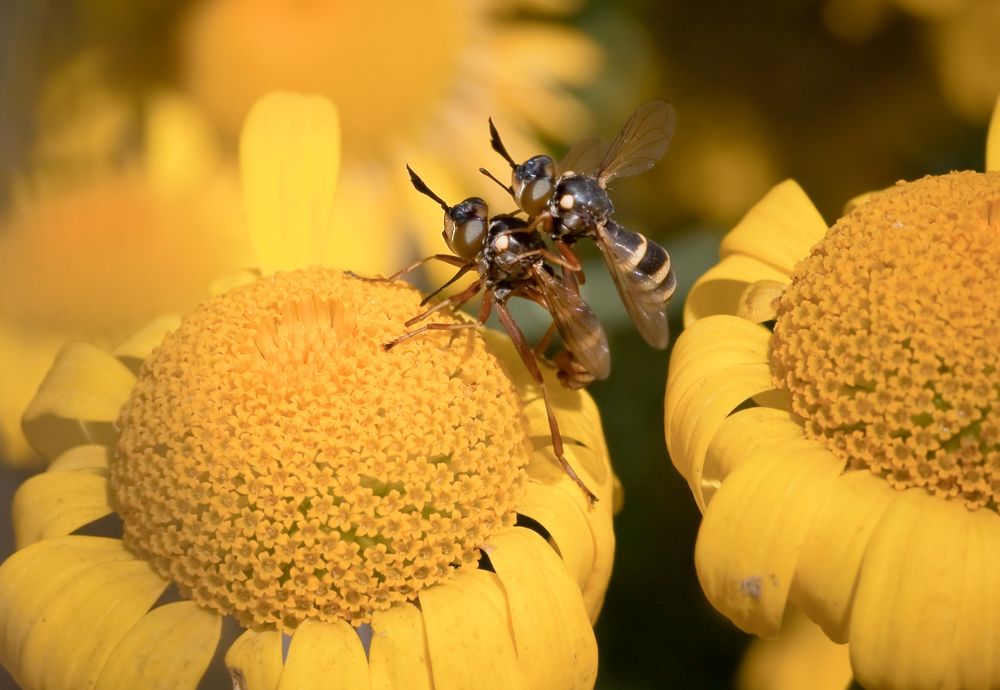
(270, 459)
(847, 458)
(414, 82)
(94, 256)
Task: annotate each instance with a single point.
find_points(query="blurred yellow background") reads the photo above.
(842, 95)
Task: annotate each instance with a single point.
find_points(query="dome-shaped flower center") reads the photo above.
(278, 465)
(386, 65)
(888, 338)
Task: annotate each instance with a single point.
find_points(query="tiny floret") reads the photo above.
(887, 338)
(279, 466)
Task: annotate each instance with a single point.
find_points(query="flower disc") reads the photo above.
(887, 338)
(279, 465)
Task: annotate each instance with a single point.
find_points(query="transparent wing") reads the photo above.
(584, 157)
(644, 278)
(642, 141)
(581, 332)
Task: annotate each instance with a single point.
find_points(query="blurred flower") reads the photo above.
(960, 36)
(93, 246)
(414, 82)
(267, 457)
(848, 461)
(803, 657)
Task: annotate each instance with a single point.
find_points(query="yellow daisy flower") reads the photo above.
(91, 251)
(269, 459)
(413, 82)
(847, 458)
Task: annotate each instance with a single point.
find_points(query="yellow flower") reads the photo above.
(270, 460)
(90, 251)
(847, 458)
(802, 658)
(414, 82)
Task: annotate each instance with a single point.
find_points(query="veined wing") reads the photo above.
(584, 157)
(644, 278)
(642, 141)
(581, 332)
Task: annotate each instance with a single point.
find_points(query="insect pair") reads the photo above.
(511, 258)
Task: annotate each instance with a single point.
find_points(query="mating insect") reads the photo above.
(510, 258)
(571, 201)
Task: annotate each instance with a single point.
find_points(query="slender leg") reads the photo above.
(573, 274)
(447, 258)
(454, 300)
(543, 344)
(507, 320)
(461, 272)
(484, 313)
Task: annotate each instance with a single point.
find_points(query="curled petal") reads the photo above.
(833, 551)
(325, 656)
(78, 400)
(80, 625)
(168, 649)
(719, 289)
(254, 660)
(747, 550)
(468, 630)
(926, 613)
(56, 503)
(759, 301)
(92, 457)
(552, 633)
(717, 364)
(740, 437)
(31, 577)
(140, 344)
(779, 230)
(289, 161)
(398, 656)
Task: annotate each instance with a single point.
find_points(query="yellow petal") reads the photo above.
(289, 160)
(254, 660)
(833, 550)
(25, 358)
(555, 643)
(325, 656)
(138, 347)
(92, 458)
(398, 654)
(54, 504)
(563, 513)
(468, 634)
(84, 621)
(993, 140)
(168, 649)
(927, 611)
(360, 201)
(759, 301)
(752, 532)
(717, 364)
(718, 290)
(741, 436)
(30, 578)
(802, 657)
(78, 400)
(779, 230)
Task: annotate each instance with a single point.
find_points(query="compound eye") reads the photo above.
(535, 195)
(465, 227)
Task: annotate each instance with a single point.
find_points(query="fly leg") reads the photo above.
(523, 349)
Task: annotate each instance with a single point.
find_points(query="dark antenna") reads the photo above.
(498, 145)
(422, 187)
(490, 175)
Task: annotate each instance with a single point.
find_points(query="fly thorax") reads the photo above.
(579, 204)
